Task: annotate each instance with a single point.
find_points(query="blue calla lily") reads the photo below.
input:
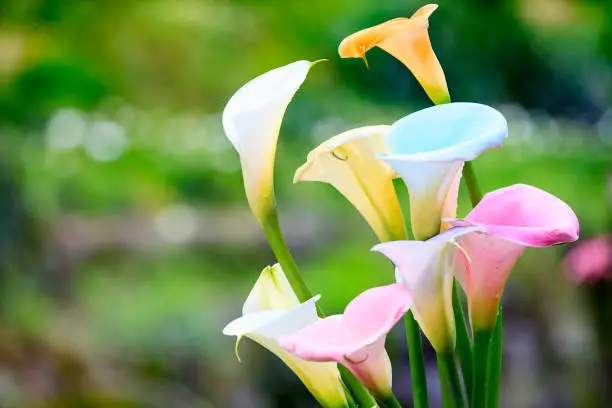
(428, 149)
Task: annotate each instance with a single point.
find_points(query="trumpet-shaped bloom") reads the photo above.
(252, 119)
(511, 219)
(426, 269)
(271, 311)
(356, 338)
(428, 149)
(348, 162)
(407, 39)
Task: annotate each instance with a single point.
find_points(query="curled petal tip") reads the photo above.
(365, 60)
(426, 11)
(302, 171)
(387, 248)
(236, 349)
(317, 62)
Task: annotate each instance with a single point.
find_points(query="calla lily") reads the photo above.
(271, 311)
(510, 219)
(426, 269)
(357, 338)
(252, 120)
(407, 39)
(348, 162)
(428, 149)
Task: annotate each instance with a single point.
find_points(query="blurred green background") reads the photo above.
(126, 243)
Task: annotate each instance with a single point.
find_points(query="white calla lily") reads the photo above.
(348, 162)
(252, 119)
(271, 311)
(429, 148)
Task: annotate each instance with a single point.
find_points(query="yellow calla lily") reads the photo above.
(252, 119)
(272, 310)
(407, 39)
(348, 162)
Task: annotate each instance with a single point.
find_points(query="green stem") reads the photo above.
(482, 345)
(495, 363)
(487, 343)
(415, 348)
(350, 400)
(389, 401)
(358, 391)
(464, 343)
(272, 229)
(417, 362)
(450, 384)
(472, 183)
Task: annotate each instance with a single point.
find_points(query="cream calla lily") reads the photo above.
(252, 119)
(271, 311)
(348, 162)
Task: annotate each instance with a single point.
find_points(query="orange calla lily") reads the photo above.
(407, 39)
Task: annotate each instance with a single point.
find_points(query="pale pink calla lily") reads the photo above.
(357, 338)
(511, 219)
(426, 269)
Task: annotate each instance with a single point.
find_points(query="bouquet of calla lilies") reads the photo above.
(341, 359)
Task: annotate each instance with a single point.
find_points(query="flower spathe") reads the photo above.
(348, 162)
(510, 219)
(426, 269)
(271, 311)
(252, 119)
(356, 338)
(407, 39)
(428, 149)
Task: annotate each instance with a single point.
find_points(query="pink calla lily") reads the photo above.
(426, 269)
(510, 219)
(356, 338)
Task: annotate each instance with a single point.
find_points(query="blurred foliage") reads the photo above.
(125, 239)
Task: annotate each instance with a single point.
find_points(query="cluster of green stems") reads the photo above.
(479, 353)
